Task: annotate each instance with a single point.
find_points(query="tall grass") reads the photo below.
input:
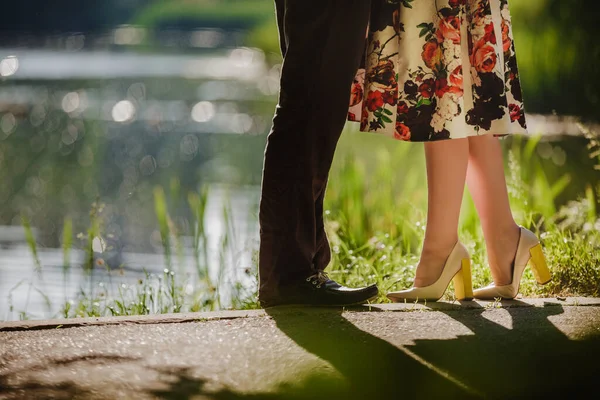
(375, 217)
(37, 270)
(169, 291)
(376, 203)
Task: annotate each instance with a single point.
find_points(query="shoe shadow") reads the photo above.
(372, 367)
(530, 359)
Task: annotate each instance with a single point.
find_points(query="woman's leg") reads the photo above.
(446, 172)
(487, 184)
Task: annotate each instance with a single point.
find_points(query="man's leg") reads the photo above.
(322, 42)
(322, 251)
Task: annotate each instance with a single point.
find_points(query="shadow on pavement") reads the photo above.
(371, 367)
(10, 387)
(532, 360)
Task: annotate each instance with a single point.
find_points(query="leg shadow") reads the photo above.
(371, 367)
(531, 359)
(534, 359)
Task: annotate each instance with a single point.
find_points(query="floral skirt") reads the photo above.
(438, 69)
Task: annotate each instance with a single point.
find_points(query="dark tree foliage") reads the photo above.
(572, 90)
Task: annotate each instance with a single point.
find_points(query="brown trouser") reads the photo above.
(322, 42)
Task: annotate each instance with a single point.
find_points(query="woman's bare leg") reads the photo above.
(446, 173)
(487, 185)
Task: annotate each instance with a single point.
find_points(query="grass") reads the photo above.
(171, 291)
(376, 203)
(375, 213)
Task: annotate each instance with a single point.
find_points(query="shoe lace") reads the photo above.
(318, 279)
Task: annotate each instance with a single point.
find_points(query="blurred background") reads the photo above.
(131, 142)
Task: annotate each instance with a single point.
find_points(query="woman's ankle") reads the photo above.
(501, 250)
(437, 246)
(432, 260)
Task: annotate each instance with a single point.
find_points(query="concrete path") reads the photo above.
(543, 348)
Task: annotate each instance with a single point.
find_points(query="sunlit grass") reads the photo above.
(172, 291)
(376, 202)
(375, 217)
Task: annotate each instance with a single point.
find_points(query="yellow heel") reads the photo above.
(463, 285)
(457, 268)
(538, 265)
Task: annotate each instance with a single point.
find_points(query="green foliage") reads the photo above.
(160, 207)
(67, 244)
(558, 55)
(377, 205)
(375, 217)
(30, 239)
(197, 203)
(205, 12)
(169, 292)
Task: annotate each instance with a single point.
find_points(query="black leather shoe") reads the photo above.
(319, 290)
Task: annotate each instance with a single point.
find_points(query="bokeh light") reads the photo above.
(207, 38)
(70, 102)
(129, 35)
(8, 123)
(9, 66)
(123, 111)
(203, 111)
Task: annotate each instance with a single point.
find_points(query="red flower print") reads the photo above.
(356, 95)
(457, 90)
(441, 87)
(428, 95)
(490, 34)
(374, 100)
(483, 57)
(427, 88)
(402, 108)
(402, 131)
(364, 121)
(432, 54)
(456, 3)
(515, 112)
(506, 42)
(449, 29)
(390, 97)
(456, 77)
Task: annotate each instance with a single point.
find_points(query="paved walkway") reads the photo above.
(543, 348)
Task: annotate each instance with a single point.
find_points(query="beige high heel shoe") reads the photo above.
(529, 251)
(456, 268)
